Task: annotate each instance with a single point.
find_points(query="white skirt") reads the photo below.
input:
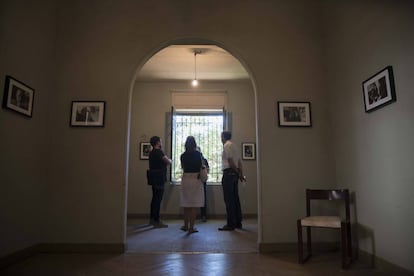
(192, 191)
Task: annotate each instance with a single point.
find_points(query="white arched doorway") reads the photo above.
(148, 109)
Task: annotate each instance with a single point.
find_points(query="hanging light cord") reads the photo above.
(195, 65)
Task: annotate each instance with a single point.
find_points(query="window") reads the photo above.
(206, 127)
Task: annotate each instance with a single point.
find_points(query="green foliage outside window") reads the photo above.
(206, 129)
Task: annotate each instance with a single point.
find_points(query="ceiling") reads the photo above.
(177, 62)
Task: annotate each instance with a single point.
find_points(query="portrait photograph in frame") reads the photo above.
(379, 90)
(87, 114)
(145, 149)
(248, 151)
(18, 97)
(294, 114)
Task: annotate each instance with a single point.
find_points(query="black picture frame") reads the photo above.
(294, 114)
(18, 97)
(87, 114)
(379, 90)
(145, 149)
(248, 151)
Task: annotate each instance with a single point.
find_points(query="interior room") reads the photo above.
(317, 89)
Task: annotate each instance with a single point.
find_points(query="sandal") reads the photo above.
(184, 228)
(194, 230)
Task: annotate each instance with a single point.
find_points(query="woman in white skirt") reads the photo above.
(192, 194)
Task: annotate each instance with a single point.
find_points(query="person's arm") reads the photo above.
(241, 175)
(205, 163)
(166, 160)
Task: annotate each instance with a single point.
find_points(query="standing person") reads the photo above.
(232, 173)
(203, 210)
(192, 195)
(158, 163)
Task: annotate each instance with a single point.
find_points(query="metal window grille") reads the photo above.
(206, 128)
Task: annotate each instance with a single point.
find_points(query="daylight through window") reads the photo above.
(206, 127)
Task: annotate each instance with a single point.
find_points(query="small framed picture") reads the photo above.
(294, 114)
(145, 149)
(379, 89)
(248, 151)
(18, 97)
(87, 114)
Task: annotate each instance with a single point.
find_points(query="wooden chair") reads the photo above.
(335, 222)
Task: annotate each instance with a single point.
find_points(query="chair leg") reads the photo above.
(349, 242)
(309, 241)
(345, 245)
(300, 242)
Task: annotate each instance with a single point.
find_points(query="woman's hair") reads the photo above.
(190, 144)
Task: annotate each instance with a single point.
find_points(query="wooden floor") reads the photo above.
(143, 238)
(170, 251)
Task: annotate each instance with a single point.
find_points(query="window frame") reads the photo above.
(195, 112)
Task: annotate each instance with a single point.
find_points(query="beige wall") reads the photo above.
(293, 50)
(150, 103)
(27, 41)
(98, 55)
(373, 151)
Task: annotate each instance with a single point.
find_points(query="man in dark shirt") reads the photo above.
(158, 163)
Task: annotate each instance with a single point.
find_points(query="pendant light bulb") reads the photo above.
(194, 82)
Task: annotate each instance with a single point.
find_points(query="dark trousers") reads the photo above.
(230, 182)
(157, 194)
(203, 210)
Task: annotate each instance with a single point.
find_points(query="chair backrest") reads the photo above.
(337, 194)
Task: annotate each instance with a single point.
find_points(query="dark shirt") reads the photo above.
(157, 163)
(191, 161)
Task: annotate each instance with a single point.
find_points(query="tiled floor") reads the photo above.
(170, 251)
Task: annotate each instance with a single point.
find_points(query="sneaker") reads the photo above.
(226, 228)
(193, 230)
(159, 224)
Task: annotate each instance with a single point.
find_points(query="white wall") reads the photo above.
(27, 36)
(374, 152)
(150, 103)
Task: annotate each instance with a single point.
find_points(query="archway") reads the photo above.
(135, 136)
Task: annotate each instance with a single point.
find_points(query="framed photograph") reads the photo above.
(248, 151)
(87, 114)
(294, 114)
(379, 89)
(145, 149)
(18, 97)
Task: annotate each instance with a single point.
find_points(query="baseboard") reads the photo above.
(18, 256)
(61, 248)
(291, 247)
(180, 216)
(376, 262)
(364, 257)
(93, 248)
